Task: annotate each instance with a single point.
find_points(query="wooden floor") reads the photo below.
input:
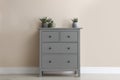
(83, 77)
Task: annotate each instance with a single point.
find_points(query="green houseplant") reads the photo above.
(47, 22)
(51, 24)
(44, 22)
(75, 21)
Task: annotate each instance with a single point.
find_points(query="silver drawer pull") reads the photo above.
(68, 61)
(68, 48)
(50, 36)
(68, 36)
(50, 48)
(50, 61)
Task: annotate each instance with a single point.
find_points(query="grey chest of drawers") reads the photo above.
(59, 50)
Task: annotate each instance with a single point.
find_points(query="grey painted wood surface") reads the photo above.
(59, 49)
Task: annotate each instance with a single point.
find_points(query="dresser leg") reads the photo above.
(77, 73)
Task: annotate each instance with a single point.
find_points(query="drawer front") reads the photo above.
(50, 36)
(68, 36)
(59, 48)
(59, 61)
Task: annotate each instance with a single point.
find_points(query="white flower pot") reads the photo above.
(45, 25)
(75, 25)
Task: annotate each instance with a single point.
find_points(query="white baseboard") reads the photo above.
(21, 70)
(100, 70)
(83, 70)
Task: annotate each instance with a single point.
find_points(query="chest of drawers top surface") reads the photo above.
(60, 28)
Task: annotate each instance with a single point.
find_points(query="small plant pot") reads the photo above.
(74, 25)
(45, 25)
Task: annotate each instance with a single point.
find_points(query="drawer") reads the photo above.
(59, 61)
(68, 36)
(59, 48)
(50, 36)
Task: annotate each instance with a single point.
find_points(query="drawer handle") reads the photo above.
(68, 61)
(68, 36)
(68, 48)
(50, 61)
(50, 36)
(50, 48)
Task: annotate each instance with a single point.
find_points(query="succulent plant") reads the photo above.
(75, 19)
(43, 20)
(47, 20)
(50, 24)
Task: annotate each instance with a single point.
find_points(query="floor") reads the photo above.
(83, 77)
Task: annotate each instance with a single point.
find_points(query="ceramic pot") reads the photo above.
(75, 25)
(45, 25)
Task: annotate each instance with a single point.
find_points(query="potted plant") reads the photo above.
(44, 21)
(51, 24)
(75, 22)
(47, 22)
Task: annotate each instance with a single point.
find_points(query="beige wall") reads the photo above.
(19, 21)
